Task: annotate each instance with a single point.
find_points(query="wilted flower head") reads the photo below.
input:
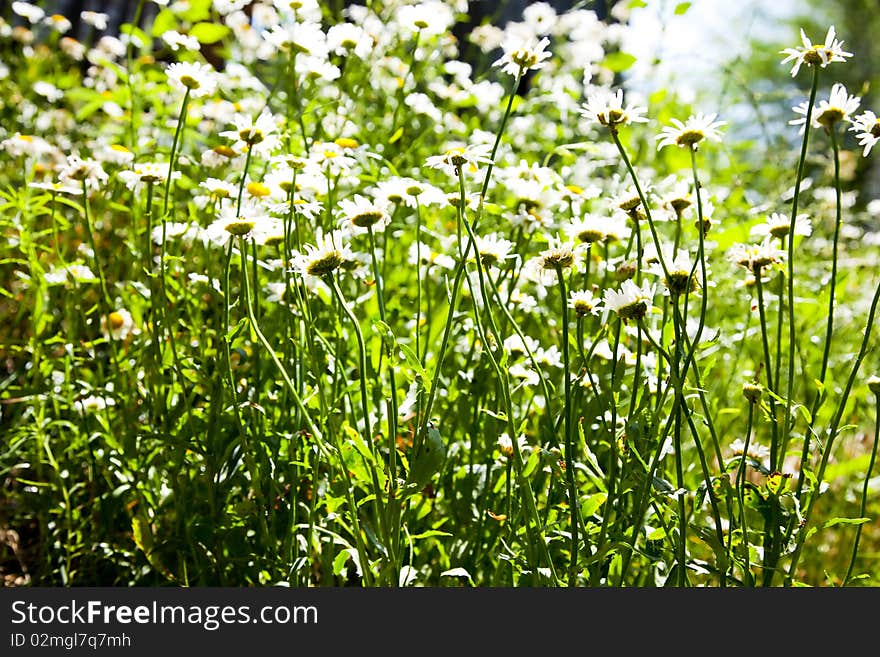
(691, 132)
(824, 54)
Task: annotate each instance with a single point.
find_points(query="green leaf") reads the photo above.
(618, 61)
(165, 21)
(458, 572)
(593, 503)
(209, 32)
(682, 7)
(845, 521)
(340, 561)
(429, 534)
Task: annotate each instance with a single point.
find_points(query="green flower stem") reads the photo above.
(748, 579)
(510, 96)
(312, 426)
(418, 328)
(862, 505)
(829, 329)
(774, 424)
(772, 538)
(365, 404)
(391, 401)
(832, 436)
(643, 199)
(613, 455)
(569, 451)
(774, 456)
(674, 371)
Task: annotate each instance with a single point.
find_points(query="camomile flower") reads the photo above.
(459, 158)
(680, 276)
(92, 404)
(557, 255)
(18, 145)
(305, 38)
(757, 452)
(429, 18)
(828, 113)
(80, 170)
(521, 55)
(824, 54)
(505, 444)
(754, 257)
(98, 20)
(218, 189)
(57, 187)
(363, 214)
(76, 271)
(494, 250)
(329, 253)
(778, 226)
(588, 229)
(200, 79)
(631, 301)
(258, 134)
(584, 303)
(867, 128)
(146, 173)
(118, 325)
(231, 224)
(606, 108)
(690, 133)
(345, 38)
(26, 10)
(175, 40)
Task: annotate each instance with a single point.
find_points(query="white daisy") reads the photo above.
(361, 213)
(691, 132)
(867, 128)
(778, 226)
(830, 51)
(631, 302)
(467, 157)
(521, 55)
(200, 79)
(606, 108)
(329, 253)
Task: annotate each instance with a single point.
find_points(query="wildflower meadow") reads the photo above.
(333, 294)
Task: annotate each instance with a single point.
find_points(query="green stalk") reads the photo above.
(791, 320)
(740, 490)
(365, 405)
(832, 436)
(569, 451)
(829, 329)
(862, 505)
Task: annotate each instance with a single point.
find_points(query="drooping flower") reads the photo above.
(584, 303)
(257, 134)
